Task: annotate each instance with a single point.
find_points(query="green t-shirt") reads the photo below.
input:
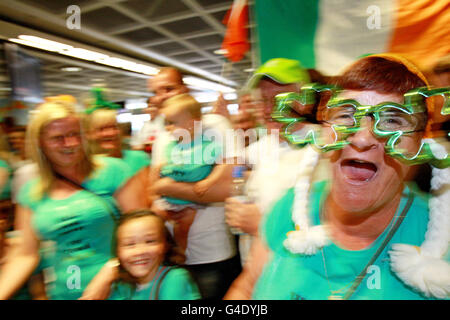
(136, 160)
(81, 226)
(297, 277)
(177, 285)
(190, 162)
(5, 192)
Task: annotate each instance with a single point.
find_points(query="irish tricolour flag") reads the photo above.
(329, 34)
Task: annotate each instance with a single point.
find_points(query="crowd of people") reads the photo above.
(346, 179)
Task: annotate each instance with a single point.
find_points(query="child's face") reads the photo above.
(176, 119)
(141, 247)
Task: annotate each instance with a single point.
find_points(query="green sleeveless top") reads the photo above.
(190, 162)
(176, 285)
(331, 271)
(136, 160)
(81, 226)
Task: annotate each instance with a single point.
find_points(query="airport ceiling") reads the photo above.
(180, 33)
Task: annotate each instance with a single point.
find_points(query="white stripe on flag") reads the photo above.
(348, 29)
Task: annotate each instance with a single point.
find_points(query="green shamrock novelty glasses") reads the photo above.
(391, 120)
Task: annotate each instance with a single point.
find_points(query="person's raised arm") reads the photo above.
(242, 286)
(23, 259)
(220, 106)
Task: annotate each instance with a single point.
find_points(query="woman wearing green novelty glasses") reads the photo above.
(344, 242)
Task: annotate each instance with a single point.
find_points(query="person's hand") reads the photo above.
(243, 120)
(244, 216)
(220, 106)
(100, 286)
(201, 187)
(161, 186)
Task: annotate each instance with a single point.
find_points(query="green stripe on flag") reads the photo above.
(286, 29)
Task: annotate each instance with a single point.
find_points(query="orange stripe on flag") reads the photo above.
(235, 40)
(422, 30)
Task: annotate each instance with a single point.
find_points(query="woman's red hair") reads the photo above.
(381, 75)
(387, 73)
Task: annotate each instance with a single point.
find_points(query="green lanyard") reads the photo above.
(381, 248)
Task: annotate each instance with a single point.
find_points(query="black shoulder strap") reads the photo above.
(388, 238)
(79, 186)
(154, 294)
(105, 203)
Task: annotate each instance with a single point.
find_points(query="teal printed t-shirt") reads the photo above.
(190, 162)
(177, 285)
(5, 193)
(81, 226)
(289, 276)
(136, 160)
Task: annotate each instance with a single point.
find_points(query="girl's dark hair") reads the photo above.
(174, 255)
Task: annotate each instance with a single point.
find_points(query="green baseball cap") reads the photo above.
(281, 70)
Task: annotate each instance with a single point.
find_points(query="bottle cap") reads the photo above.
(238, 171)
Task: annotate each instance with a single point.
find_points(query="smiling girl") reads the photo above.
(147, 256)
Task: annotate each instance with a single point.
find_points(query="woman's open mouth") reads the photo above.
(68, 151)
(358, 170)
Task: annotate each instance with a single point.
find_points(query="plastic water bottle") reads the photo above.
(238, 190)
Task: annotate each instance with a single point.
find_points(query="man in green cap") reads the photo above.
(281, 70)
(274, 77)
(274, 163)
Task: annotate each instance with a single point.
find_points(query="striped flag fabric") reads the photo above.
(327, 35)
(236, 41)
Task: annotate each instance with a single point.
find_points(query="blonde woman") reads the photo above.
(105, 138)
(74, 203)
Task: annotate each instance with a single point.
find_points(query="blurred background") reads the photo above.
(68, 46)
(132, 39)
